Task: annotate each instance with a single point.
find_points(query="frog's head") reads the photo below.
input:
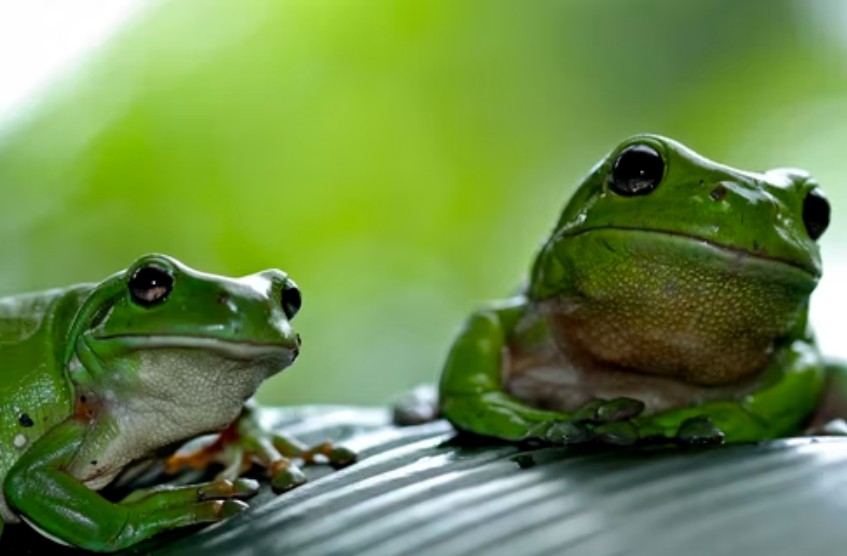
(653, 184)
(695, 252)
(162, 331)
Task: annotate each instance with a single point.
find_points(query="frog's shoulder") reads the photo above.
(23, 315)
(33, 383)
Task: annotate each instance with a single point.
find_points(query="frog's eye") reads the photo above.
(637, 171)
(291, 299)
(150, 284)
(815, 213)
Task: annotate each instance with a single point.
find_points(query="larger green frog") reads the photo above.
(98, 377)
(670, 302)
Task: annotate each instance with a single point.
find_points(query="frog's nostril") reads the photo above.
(299, 340)
(718, 193)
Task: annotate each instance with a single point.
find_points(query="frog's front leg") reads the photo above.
(246, 442)
(473, 399)
(46, 495)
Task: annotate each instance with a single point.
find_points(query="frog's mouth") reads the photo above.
(738, 253)
(239, 350)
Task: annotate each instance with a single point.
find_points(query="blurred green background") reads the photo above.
(402, 160)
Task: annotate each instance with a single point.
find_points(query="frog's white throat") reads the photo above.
(169, 396)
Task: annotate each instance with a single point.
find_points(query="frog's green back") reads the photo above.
(33, 331)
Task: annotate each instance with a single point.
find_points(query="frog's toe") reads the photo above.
(699, 431)
(618, 433)
(567, 432)
(339, 457)
(285, 475)
(229, 508)
(323, 453)
(589, 412)
(619, 409)
(225, 488)
(243, 488)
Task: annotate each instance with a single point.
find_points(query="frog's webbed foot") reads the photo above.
(206, 502)
(246, 443)
(615, 422)
(603, 421)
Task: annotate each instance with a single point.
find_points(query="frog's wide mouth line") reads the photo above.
(238, 349)
(736, 251)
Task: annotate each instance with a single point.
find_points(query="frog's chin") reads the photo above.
(239, 350)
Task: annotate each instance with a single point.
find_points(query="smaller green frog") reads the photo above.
(99, 377)
(670, 303)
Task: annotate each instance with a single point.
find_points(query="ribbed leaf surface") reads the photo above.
(420, 490)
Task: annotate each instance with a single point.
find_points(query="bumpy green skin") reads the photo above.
(713, 243)
(94, 381)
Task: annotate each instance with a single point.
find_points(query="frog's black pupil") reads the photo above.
(637, 171)
(815, 213)
(150, 284)
(291, 299)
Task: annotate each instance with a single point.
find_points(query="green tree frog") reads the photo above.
(99, 377)
(670, 303)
